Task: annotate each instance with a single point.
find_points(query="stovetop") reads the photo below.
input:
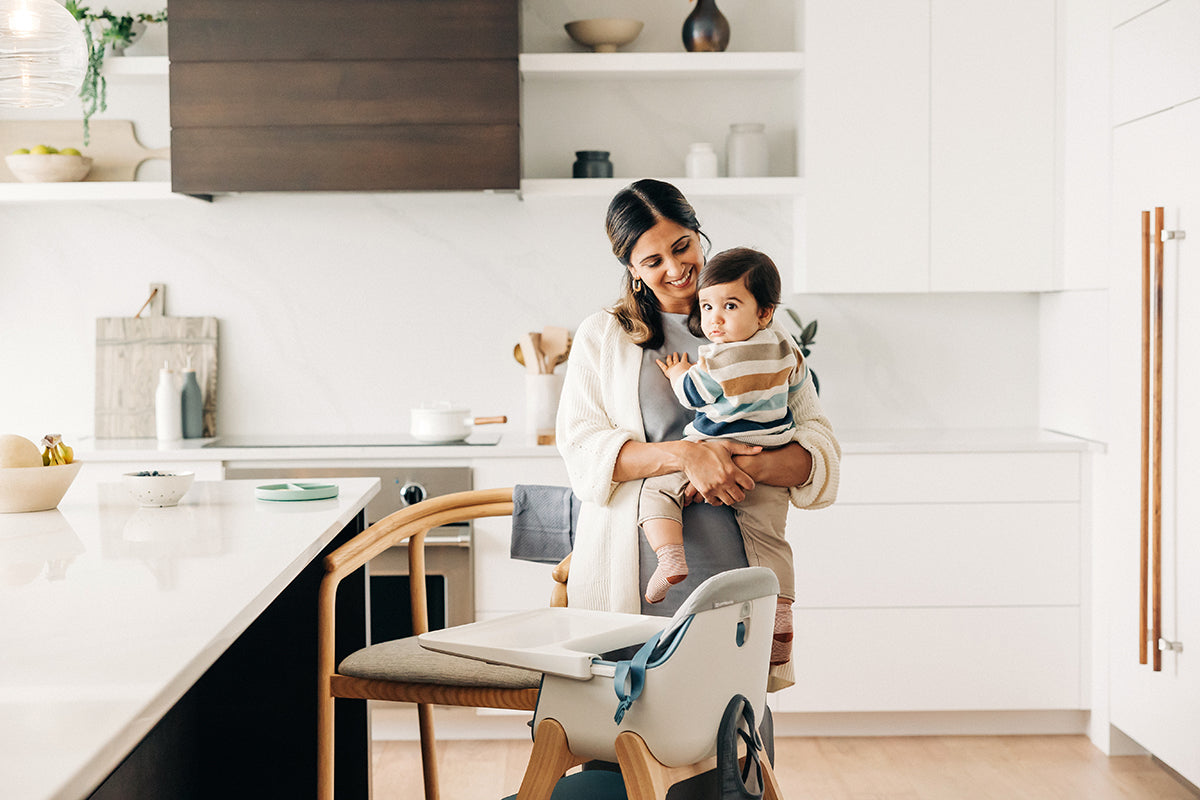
(476, 439)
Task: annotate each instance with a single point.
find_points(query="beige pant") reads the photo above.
(762, 517)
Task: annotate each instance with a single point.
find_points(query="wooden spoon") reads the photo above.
(532, 353)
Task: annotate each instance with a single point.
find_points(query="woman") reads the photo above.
(619, 422)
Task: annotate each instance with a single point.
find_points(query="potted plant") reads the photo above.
(806, 337)
(103, 31)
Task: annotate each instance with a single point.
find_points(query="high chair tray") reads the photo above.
(560, 641)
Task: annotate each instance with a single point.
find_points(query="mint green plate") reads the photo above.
(296, 491)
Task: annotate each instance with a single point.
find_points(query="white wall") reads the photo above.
(340, 312)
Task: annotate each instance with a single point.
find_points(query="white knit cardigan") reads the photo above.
(598, 412)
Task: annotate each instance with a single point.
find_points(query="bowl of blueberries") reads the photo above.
(154, 489)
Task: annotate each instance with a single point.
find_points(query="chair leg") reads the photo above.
(647, 778)
(429, 767)
(325, 748)
(771, 790)
(549, 761)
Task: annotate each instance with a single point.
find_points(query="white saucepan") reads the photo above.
(446, 423)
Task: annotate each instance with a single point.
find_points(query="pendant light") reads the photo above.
(42, 54)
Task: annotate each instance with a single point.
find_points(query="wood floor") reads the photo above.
(876, 768)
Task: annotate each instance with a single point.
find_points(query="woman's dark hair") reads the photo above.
(728, 266)
(634, 210)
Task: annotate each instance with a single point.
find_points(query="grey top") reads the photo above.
(711, 537)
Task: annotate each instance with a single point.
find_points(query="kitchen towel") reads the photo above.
(543, 523)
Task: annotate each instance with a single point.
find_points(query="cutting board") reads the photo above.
(129, 353)
(114, 148)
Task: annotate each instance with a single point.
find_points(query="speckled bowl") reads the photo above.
(158, 491)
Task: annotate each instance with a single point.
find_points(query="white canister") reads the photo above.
(701, 161)
(746, 150)
(168, 406)
(542, 391)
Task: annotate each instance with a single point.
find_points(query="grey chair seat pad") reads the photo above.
(405, 660)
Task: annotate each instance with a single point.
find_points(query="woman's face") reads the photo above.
(667, 259)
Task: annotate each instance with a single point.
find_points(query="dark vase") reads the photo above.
(705, 30)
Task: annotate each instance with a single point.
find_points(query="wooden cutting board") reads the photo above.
(114, 148)
(129, 353)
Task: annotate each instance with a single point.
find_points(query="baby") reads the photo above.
(739, 389)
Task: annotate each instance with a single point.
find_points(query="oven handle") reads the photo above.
(448, 539)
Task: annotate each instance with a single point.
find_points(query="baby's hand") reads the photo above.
(674, 365)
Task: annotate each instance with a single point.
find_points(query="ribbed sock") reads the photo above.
(781, 641)
(672, 568)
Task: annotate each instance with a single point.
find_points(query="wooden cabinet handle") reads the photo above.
(1156, 457)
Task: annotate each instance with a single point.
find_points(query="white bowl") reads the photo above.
(35, 488)
(158, 491)
(604, 35)
(48, 168)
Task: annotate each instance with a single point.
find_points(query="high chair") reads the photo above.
(656, 712)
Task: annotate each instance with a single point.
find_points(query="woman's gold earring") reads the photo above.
(637, 285)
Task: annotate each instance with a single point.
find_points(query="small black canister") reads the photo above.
(592, 164)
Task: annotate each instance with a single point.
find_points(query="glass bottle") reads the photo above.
(193, 405)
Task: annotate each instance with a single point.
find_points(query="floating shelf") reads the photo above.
(122, 66)
(534, 188)
(87, 191)
(558, 66)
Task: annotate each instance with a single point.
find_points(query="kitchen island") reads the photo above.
(170, 652)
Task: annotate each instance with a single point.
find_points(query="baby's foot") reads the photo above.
(672, 568)
(781, 641)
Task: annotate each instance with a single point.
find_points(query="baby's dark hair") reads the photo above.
(727, 266)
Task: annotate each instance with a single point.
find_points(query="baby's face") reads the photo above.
(728, 312)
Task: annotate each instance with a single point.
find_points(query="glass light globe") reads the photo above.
(43, 56)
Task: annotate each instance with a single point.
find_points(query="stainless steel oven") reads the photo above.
(449, 562)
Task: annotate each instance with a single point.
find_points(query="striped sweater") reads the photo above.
(742, 390)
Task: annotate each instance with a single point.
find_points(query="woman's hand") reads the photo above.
(712, 473)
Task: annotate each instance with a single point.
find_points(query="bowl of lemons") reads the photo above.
(31, 480)
(45, 164)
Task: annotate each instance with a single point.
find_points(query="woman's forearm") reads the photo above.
(638, 460)
(790, 465)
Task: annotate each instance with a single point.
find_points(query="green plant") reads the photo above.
(805, 340)
(102, 31)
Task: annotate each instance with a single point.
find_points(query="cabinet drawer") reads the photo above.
(969, 659)
(1154, 60)
(968, 554)
(959, 478)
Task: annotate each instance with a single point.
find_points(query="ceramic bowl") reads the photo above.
(35, 488)
(49, 168)
(604, 35)
(160, 490)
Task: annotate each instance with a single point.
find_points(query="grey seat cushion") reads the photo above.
(405, 660)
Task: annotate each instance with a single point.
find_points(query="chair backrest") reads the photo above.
(718, 645)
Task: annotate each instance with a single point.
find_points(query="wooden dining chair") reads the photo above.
(401, 670)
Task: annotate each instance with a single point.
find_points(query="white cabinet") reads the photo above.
(503, 585)
(941, 582)
(647, 103)
(930, 146)
(1156, 164)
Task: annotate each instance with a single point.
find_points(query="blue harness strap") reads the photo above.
(629, 678)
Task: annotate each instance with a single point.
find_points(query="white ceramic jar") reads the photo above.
(701, 161)
(746, 150)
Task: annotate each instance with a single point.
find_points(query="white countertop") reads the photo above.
(111, 612)
(944, 440)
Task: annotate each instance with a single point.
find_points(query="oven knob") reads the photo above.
(412, 493)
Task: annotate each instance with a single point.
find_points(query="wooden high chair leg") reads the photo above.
(549, 761)
(646, 778)
(429, 767)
